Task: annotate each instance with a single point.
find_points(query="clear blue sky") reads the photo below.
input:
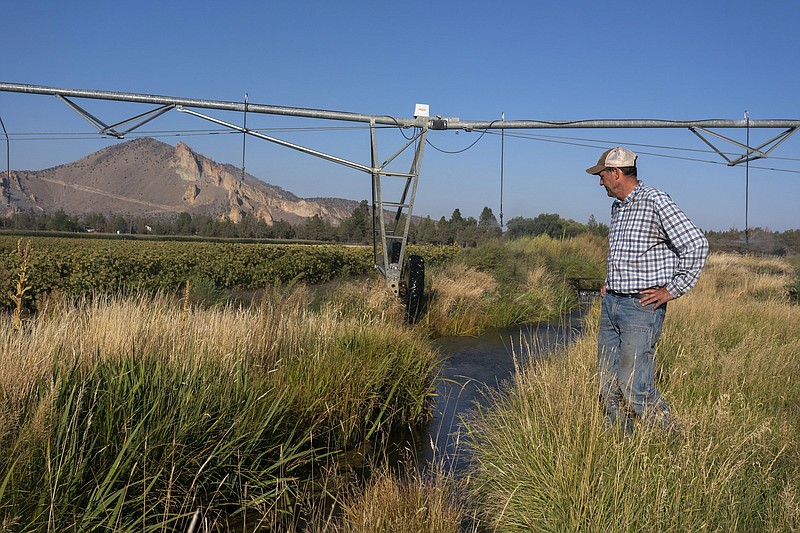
(474, 60)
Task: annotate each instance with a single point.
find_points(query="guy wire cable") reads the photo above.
(502, 163)
(8, 158)
(244, 134)
(747, 181)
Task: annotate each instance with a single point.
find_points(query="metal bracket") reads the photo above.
(753, 153)
(111, 131)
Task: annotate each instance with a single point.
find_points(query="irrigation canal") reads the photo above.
(473, 366)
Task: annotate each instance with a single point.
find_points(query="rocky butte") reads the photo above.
(146, 177)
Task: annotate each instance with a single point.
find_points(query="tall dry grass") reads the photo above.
(729, 364)
(392, 502)
(460, 301)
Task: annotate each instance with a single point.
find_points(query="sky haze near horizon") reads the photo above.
(569, 60)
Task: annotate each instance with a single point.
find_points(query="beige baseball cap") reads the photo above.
(614, 158)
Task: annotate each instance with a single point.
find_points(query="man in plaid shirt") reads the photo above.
(655, 255)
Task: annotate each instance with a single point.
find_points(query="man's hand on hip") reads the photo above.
(658, 296)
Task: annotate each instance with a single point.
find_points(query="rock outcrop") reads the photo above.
(147, 177)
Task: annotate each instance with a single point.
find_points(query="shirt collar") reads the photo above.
(631, 196)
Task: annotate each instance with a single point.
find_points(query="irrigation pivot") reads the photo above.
(404, 275)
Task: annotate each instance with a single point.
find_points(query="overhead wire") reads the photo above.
(604, 143)
(600, 143)
(204, 131)
(461, 151)
(566, 140)
(574, 141)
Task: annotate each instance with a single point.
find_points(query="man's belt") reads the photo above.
(636, 295)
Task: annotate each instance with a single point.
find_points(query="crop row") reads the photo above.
(87, 266)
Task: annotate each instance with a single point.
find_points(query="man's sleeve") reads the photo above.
(689, 243)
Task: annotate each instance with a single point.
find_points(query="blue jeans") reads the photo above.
(626, 361)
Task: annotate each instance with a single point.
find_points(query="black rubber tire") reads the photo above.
(415, 302)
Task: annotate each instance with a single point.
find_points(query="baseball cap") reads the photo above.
(614, 158)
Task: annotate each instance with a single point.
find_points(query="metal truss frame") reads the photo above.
(390, 234)
(752, 153)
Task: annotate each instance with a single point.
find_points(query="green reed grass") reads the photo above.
(729, 366)
(135, 443)
(144, 412)
(149, 413)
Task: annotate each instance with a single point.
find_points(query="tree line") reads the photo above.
(357, 228)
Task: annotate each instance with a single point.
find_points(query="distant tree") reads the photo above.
(205, 225)
(26, 220)
(445, 231)
(426, 231)
(162, 227)
(95, 221)
(469, 234)
(316, 228)
(487, 218)
(60, 221)
(595, 228)
(356, 228)
(549, 224)
(488, 227)
(253, 227)
(790, 241)
(519, 227)
(117, 224)
(227, 229)
(184, 225)
(282, 230)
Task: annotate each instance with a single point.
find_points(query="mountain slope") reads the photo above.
(148, 177)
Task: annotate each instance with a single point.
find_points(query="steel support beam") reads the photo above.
(105, 129)
(389, 244)
(309, 151)
(436, 123)
(206, 104)
(621, 123)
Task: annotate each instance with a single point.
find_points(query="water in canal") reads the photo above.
(473, 365)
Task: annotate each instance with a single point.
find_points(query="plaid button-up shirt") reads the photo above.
(652, 243)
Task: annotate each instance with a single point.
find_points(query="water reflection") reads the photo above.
(472, 366)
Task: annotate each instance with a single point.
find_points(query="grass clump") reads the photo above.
(504, 283)
(544, 460)
(460, 301)
(403, 503)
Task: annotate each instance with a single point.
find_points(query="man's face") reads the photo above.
(609, 181)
